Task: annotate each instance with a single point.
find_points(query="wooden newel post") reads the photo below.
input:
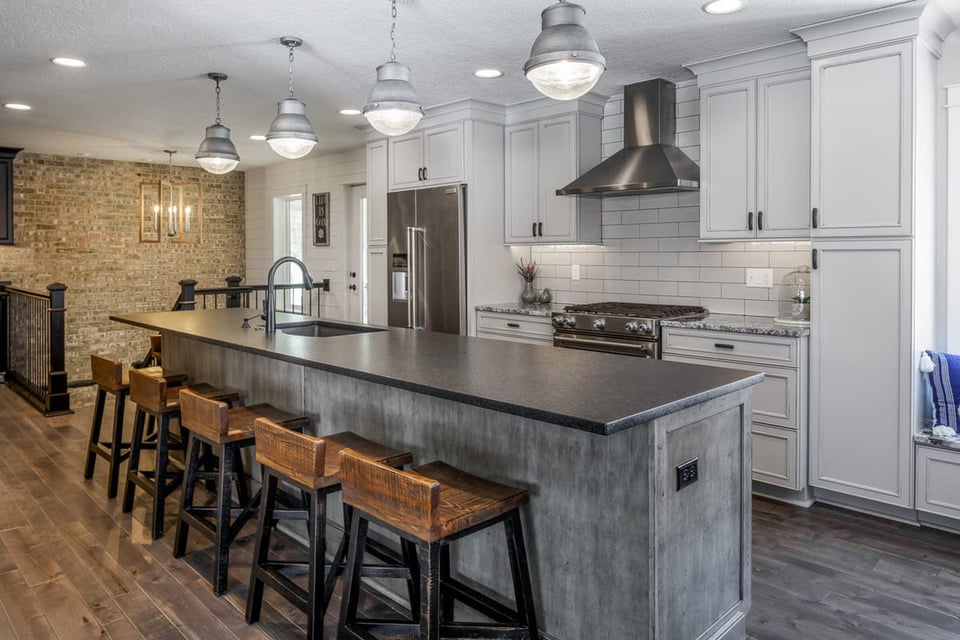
(233, 299)
(58, 397)
(188, 292)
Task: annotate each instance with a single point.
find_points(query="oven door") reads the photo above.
(624, 346)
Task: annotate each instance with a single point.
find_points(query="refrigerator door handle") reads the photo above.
(414, 234)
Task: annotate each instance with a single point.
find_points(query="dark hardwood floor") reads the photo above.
(72, 566)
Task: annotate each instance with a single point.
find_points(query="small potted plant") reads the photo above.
(528, 272)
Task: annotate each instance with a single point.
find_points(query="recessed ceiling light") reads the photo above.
(258, 137)
(488, 73)
(349, 112)
(69, 62)
(16, 106)
(721, 7)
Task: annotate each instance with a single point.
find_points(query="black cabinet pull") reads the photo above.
(760, 220)
(353, 287)
(816, 218)
(540, 229)
(815, 259)
(723, 345)
(749, 220)
(513, 325)
(353, 274)
(424, 173)
(533, 231)
(419, 173)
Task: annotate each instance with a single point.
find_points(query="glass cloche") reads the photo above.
(795, 297)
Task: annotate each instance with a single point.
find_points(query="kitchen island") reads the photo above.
(616, 549)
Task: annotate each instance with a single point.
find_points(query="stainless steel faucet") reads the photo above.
(270, 305)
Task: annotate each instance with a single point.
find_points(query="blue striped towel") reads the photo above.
(945, 386)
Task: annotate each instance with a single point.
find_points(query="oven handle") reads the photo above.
(642, 346)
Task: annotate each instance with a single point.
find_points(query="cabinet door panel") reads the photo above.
(861, 370)
(775, 459)
(728, 157)
(862, 142)
(558, 167)
(443, 154)
(520, 182)
(783, 155)
(377, 285)
(377, 193)
(406, 160)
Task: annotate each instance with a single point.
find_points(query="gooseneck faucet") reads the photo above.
(270, 305)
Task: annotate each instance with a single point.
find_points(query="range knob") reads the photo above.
(599, 323)
(570, 322)
(558, 320)
(645, 328)
(632, 327)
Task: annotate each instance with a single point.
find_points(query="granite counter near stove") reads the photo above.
(757, 325)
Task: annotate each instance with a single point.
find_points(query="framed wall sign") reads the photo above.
(321, 219)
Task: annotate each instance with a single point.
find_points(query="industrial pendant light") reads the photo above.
(565, 61)
(393, 107)
(291, 135)
(216, 153)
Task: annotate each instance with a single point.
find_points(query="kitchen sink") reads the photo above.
(323, 329)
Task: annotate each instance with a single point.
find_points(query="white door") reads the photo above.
(728, 126)
(558, 167)
(783, 156)
(377, 192)
(862, 142)
(521, 180)
(357, 221)
(861, 368)
(377, 285)
(405, 160)
(443, 154)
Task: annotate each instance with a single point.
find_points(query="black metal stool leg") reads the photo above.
(429, 554)
(160, 475)
(446, 599)
(351, 584)
(116, 446)
(316, 593)
(186, 497)
(133, 468)
(261, 546)
(520, 571)
(224, 505)
(409, 551)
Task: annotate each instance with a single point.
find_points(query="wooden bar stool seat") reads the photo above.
(433, 505)
(110, 377)
(312, 464)
(228, 432)
(161, 402)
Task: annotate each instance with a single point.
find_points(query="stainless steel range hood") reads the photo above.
(650, 161)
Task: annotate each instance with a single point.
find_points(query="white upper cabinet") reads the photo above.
(862, 165)
(541, 157)
(428, 157)
(377, 193)
(755, 145)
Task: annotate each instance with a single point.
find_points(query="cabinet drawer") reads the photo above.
(730, 346)
(775, 458)
(514, 325)
(938, 481)
(774, 400)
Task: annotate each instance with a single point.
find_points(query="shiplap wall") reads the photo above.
(335, 174)
(650, 250)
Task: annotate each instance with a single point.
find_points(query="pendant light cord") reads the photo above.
(290, 76)
(218, 102)
(393, 30)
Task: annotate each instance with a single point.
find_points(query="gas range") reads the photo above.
(618, 327)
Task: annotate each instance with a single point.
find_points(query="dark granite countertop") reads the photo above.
(758, 325)
(596, 392)
(521, 308)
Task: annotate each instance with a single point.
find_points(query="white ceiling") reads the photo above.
(146, 90)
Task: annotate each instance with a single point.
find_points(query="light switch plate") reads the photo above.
(760, 278)
(574, 272)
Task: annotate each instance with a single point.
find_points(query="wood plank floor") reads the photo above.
(72, 566)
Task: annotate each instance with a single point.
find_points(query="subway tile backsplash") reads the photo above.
(651, 251)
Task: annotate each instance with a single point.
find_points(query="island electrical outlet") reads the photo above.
(688, 473)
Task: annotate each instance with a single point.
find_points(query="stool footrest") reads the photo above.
(272, 577)
(480, 602)
(490, 631)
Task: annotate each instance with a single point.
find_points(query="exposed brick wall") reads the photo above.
(77, 222)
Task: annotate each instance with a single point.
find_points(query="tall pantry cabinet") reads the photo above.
(873, 90)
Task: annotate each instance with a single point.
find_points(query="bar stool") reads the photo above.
(312, 465)
(433, 505)
(110, 377)
(161, 402)
(227, 432)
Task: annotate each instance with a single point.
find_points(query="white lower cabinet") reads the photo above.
(938, 482)
(377, 285)
(515, 327)
(779, 429)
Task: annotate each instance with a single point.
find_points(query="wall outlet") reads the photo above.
(688, 473)
(574, 272)
(760, 278)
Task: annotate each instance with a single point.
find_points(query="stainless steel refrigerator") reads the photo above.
(426, 258)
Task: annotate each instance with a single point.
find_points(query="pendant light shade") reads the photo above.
(217, 153)
(565, 61)
(291, 135)
(393, 107)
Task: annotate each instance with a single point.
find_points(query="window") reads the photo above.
(288, 220)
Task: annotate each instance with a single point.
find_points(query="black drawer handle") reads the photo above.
(513, 325)
(721, 345)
